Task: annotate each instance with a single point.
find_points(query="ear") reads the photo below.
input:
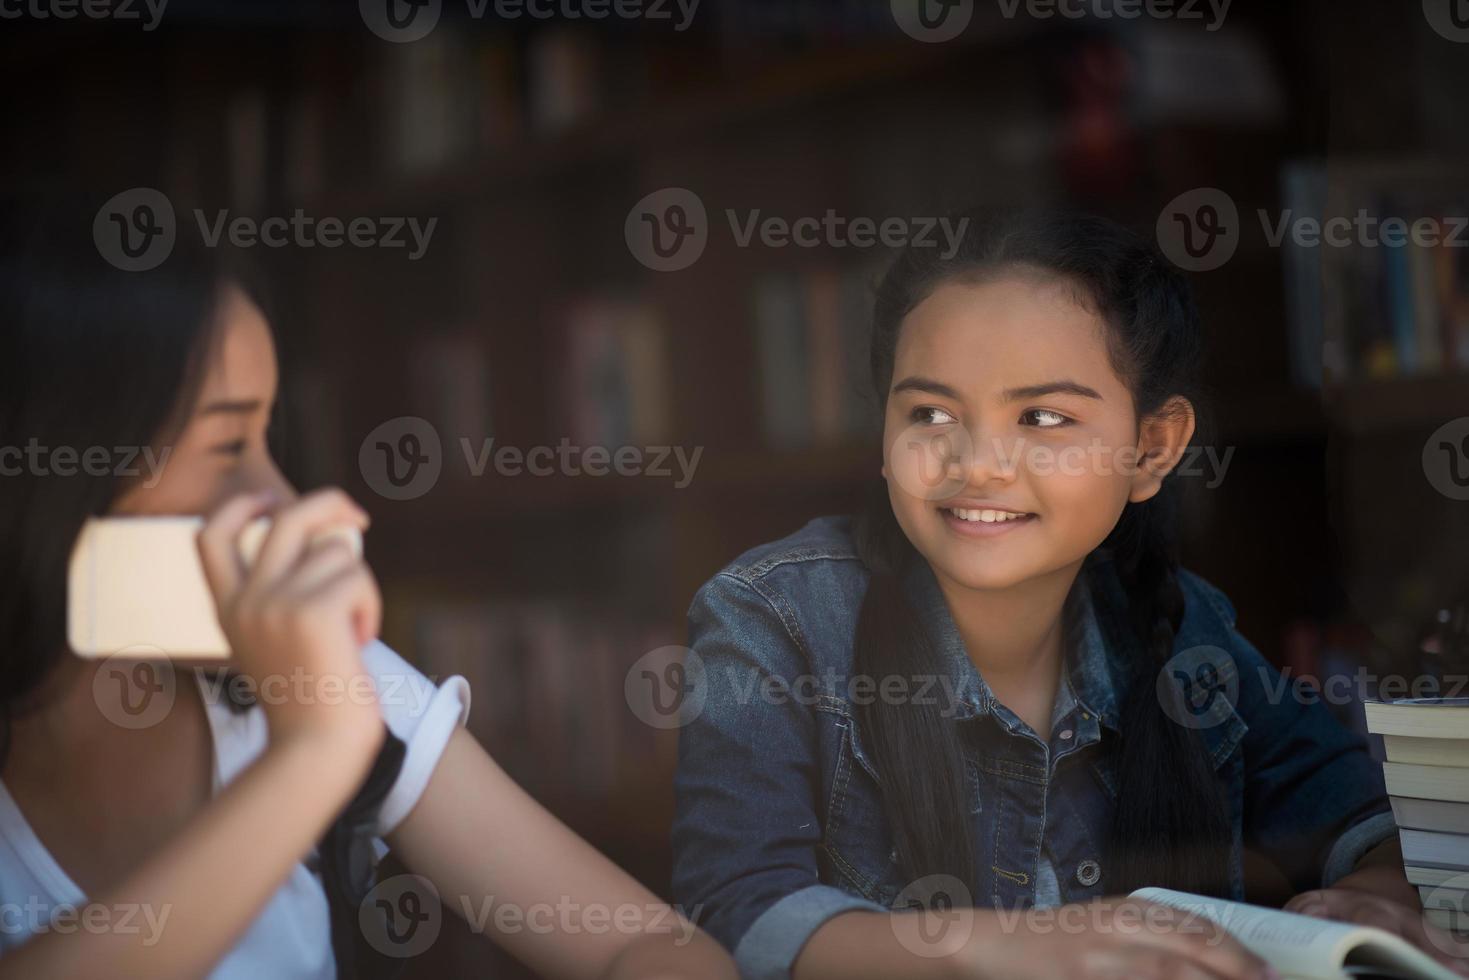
(1162, 438)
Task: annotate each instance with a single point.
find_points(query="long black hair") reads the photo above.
(1170, 825)
(95, 356)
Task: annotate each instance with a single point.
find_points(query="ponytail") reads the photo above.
(1178, 837)
(913, 745)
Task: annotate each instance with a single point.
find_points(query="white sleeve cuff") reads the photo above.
(423, 715)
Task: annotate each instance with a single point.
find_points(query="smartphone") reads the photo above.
(136, 588)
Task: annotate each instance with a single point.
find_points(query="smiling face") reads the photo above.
(1013, 444)
(220, 448)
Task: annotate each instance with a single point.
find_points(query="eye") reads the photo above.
(236, 448)
(1047, 419)
(932, 415)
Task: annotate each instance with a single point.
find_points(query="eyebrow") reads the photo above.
(1062, 387)
(243, 406)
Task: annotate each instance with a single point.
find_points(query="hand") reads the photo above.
(1117, 938)
(297, 619)
(1361, 897)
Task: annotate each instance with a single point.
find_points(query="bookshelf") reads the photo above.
(532, 228)
(530, 198)
(1397, 404)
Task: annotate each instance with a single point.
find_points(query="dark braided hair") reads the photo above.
(1177, 838)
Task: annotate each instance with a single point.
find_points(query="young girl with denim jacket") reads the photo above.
(996, 688)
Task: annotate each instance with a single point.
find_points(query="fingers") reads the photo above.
(293, 526)
(324, 559)
(1309, 903)
(354, 591)
(1203, 942)
(223, 569)
(1165, 965)
(1220, 955)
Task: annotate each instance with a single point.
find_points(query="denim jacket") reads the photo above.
(779, 821)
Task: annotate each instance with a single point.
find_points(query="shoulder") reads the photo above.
(819, 557)
(1203, 597)
(824, 540)
(807, 586)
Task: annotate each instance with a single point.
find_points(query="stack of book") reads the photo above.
(1426, 743)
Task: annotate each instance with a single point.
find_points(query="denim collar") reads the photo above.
(1086, 683)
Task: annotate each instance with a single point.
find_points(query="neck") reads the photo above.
(68, 714)
(1013, 636)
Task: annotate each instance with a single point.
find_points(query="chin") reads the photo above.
(981, 574)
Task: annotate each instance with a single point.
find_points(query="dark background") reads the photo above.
(530, 141)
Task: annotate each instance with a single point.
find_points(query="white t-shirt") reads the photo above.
(291, 937)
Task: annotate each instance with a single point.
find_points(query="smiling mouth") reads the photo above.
(975, 516)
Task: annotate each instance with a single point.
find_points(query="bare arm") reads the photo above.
(1112, 937)
(199, 887)
(476, 834)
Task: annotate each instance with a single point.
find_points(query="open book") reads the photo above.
(1306, 948)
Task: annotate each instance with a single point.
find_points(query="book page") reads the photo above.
(1304, 947)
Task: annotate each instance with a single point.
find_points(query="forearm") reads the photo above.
(210, 882)
(1380, 872)
(879, 945)
(570, 912)
(695, 956)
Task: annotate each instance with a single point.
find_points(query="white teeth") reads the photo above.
(985, 516)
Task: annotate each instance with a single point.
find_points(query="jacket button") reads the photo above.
(1088, 872)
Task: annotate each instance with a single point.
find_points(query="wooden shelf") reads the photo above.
(1397, 404)
(626, 135)
(748, 472)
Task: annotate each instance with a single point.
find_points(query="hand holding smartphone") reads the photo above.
(137, 585)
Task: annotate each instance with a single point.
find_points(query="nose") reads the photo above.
(262, 475)
(992, 459)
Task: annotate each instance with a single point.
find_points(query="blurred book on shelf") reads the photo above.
(811, 332)
(614, 381)
(431, 118)
(450, 377)
(1376, 280)
(563, 79)
(547, 676)
(1427, 776)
